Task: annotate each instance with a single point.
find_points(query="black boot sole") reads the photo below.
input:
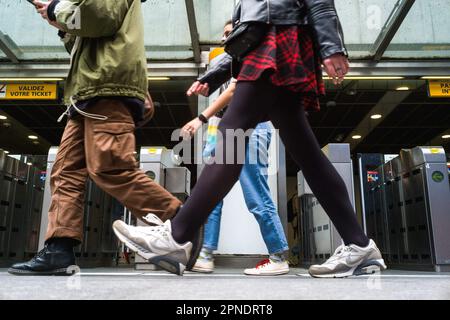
(56, 272)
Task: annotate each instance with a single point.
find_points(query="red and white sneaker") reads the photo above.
(268, 267)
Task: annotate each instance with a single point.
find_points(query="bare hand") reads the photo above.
(191, 128)
(42, 8)
(336, 66)
(198, 88)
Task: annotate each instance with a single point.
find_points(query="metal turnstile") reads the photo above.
(163, 167)
(426, 207)
(36, 184)
(371, 186)
(388, 235)
(47, 196)
(319, 237)
(18, 211)
(414, 194)
(6, 201)
(20, 197)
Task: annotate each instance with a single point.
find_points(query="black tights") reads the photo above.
(251, 103)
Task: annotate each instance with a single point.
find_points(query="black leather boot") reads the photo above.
(57, 258)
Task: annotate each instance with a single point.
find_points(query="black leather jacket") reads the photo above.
(319, 14)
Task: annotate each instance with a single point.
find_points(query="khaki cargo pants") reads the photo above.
(104, 151)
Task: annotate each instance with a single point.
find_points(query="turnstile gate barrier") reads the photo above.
(20, 203)
(413, 199)
(318, 235)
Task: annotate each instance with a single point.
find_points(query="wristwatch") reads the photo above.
(203, 118)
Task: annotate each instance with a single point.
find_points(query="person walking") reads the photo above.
(280, 79)
(106, 92)
(255, 188)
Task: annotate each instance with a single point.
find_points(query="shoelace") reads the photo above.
(340, 251)
(159, 224)
(41, 253)
(262, 263)
(153, 219)
(158, 229)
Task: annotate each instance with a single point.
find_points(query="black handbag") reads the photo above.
(244, 38)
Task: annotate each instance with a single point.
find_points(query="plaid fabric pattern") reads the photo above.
(288, 57)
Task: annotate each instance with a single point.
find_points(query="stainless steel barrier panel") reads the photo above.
(113, 210)
(427, 203)
(35, 193)
(18, 221)
(18, 212)
(416, 201)
(368, 164)
(398, 228)
(320, 237)
(6, 194)
(47, 196)
(389, 237)
(93, 220)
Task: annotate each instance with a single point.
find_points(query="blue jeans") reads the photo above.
(257, 196)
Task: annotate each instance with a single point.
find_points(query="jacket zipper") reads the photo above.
(268, 11)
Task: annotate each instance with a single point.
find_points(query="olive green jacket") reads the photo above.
(106, 41)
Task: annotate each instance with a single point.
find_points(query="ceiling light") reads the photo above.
(376, 116)
(6, 152)
(446, 136)
(435, 77)
(356, 137)
(33, 137)
(158, 78)
(402, 88)
(3, 118)
(29, 163)
(31, 79)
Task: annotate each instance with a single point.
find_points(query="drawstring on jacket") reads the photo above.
(83, 113)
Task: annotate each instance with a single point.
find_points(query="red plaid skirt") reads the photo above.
(288, 57)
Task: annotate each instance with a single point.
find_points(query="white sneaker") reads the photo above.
(350, 260)
(268, 268)
(155, 244)
(203, 266)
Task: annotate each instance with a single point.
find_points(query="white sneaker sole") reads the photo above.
(202, 270)
(368, 267)
(162, 261)
(275, 273)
